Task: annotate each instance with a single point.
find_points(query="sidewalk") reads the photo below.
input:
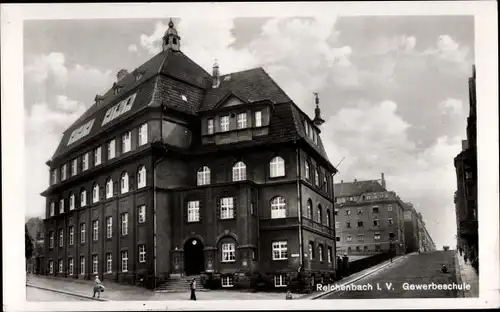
(468, 275)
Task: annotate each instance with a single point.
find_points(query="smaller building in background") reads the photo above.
(369, 219)
(417, 238)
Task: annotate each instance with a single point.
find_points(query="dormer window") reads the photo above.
(258, 119)
(224, 123)
(242, 120)
(210, 126)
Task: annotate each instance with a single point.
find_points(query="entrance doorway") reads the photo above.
(194, 259)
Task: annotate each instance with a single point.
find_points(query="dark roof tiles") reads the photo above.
(357, 188)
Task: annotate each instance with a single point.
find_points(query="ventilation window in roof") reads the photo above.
(184, 98)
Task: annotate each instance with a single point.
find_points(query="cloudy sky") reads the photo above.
(393, 90)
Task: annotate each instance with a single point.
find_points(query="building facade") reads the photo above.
(465, 197)
(368, 218)
(417, 236)
(176, 172)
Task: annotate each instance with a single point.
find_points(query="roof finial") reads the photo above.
(171, 23)
(318, 121)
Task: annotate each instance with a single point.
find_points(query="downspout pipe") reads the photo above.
(299, 206)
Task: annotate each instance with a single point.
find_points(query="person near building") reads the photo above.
(289, 295)
(192, 286)
(98, 287)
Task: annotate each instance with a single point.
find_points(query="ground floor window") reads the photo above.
(82, 265)
(377, 248)
(60, 266)
(227, 281)
(51, 267)
(124, 257)
(70, 266)
(95, 264)
(280, 280)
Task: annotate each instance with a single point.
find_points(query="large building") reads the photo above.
(417, 237)
(176, 172)
(368, 218)
(466, 170)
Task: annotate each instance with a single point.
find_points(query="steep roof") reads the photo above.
(251, 85)
(357, 188)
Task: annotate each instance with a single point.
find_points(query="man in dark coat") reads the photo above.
(192, 286)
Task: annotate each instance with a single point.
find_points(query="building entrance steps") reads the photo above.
(467, 275)
(180, 284)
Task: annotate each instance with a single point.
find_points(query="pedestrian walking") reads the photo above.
(192, 285)
(465, 257)
(460, 250)
(97, 287)
(289, 295)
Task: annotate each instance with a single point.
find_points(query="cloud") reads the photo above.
(132, 48)
(48, 66)
(453, 105)
(450, 55)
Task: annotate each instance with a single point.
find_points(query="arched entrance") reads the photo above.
(194, 260)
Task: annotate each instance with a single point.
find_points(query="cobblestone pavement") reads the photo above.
(468, 275)
(420, 269)
(40, 295)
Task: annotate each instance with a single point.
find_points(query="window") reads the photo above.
(126, 142)
(124, 256)
(376, 222)
(316, 177)
(348, 224)
(360, 223)
(194, 211)
(227, 208)
(361, 237)
(109, 227)
(95, 230)
(142, 253)
(375, 209)
(95, 193)
(241, 120)
(85, 161)
(95, 264)
(71, 201)
(51, 267)
(325, 183)
(390, 221)
(280, 280)
(337, 225)
(124, 218)
(52, 209)
(82, 233)
(227, 281)
(277, 167)
(143, 134)
(60, 265)
(109, 188)
(330, 255)
(203, 176)
(111, 149)
(109, 263)
(280, 250)
(320, 253)
(239, 171)
(307, 170)
(328, 218)
(61, 206)
(311, 251)
(309, 209)
(376, 236)
(389, 207)
(348, 212)
(360, 211)
(142, 214)
(141, 177)
(319, 217)
(258, 119)
(377, 248)
(224, 123)
(51, 240)
(54, 176)
(228, 252)
(63, 172)
(82, 265)
(83, 198)
(210, 126)
(278, 208)
(348, 238)
(70, 266)
(97, 156)
(61, 237)
(71, 234)
(124, 183)
(336, 212)
(74, 164)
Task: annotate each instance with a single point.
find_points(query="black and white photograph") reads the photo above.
(247, 154)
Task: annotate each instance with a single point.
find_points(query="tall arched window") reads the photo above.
(203, 176)
(71, 201)
(277, 167)
(141, 177)
(325, 183)
(278, 207)
(124, 183)
(316, 177)
(309, 209)
(239, 171)
(307, 170)
(109, 188)
(52, 209)
(83, 198)
(95, 193)
(318, 215)
(328, 221)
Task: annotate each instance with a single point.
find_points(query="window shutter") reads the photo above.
(234, 208)
(217, 207)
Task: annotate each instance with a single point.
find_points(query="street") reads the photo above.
(415, 271)
(41, 295)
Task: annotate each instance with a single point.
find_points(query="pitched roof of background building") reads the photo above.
(357, 188)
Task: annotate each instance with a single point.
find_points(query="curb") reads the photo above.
(361, 276)
(66, 293)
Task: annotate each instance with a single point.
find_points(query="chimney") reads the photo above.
(122, 73)
(383, 180)
(318, 121)
(215, 75)
(465, 145)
